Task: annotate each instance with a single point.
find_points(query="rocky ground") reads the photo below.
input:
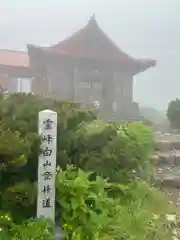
(166, 161)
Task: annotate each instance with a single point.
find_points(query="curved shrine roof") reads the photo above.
(91, 42)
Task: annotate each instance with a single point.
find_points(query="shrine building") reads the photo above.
(87, 67)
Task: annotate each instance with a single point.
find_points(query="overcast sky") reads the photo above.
(142, 28)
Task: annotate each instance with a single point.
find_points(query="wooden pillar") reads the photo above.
(123, 94)
(81, 89)
(49, 76)
(39, 85)
(76, 84)
(128, 88)
(12, 84)
(107, 97)
(118, 92)
(4, 82)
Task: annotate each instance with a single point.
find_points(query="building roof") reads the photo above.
(14, 58)
(15, 63)
(91, 42)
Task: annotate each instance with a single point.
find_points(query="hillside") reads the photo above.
(158, 118)
(153, 114)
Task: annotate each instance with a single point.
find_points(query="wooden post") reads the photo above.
(47, 165)
(76, 85)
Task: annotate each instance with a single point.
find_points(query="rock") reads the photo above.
(155, 159)
(175, 144)
(163, 145)
(177, 157)
(162, 172)
(167, 158)
(173, 181)
(166, 161)
(171, 217)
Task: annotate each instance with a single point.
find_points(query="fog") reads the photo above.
(142, 28)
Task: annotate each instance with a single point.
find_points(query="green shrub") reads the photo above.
(173, 113)
(83, 205)
(28, 230)
(112, 151)
(88, 210)
(141, 216)
(92, 209)
(108, 150)
(32, 229)
(92, 206)
(19, 147)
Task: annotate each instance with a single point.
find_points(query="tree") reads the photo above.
(173, 113)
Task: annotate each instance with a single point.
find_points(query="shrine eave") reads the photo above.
(141, 65)
(134, 65)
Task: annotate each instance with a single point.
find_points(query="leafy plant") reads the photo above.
(98, 195)
(112, 151)
(83, 205)
(29, 230)
(19, 147)
(92, 209)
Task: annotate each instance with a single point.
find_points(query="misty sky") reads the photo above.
(142, 28)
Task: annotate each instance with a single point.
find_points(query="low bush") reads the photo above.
(83, 205)
(98, 195)
(94, 209)
(97, 210)
(19, 147)
(112, 151)
(27, 230)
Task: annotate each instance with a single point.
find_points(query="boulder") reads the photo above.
(167, 158)
(177, 158)
(163, 145)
